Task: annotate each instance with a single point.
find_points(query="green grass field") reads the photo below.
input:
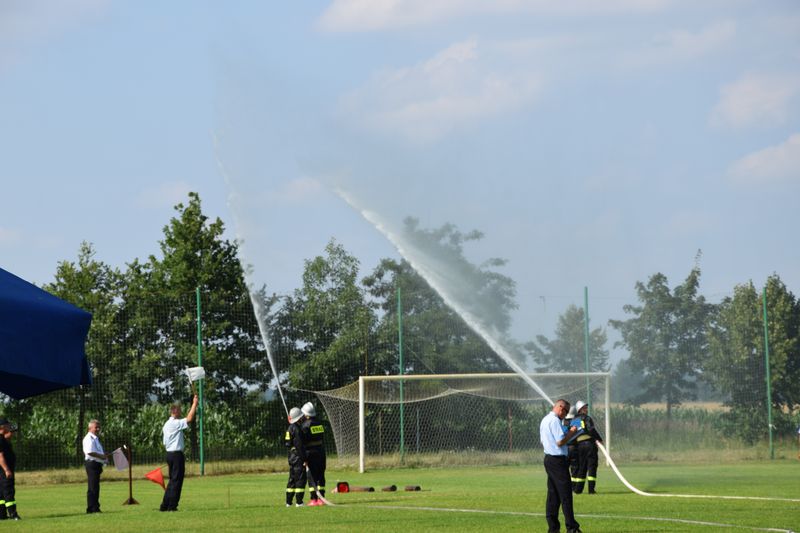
(508, 498)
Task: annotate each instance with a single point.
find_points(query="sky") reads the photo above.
(593, 143)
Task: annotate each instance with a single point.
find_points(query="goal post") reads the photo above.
(507, 387)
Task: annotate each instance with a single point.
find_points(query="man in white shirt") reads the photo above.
(94, 459)
(174, 444)
(559, 485)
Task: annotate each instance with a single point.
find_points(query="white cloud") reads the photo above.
(774, 164)
(27, 23)
(681, 45)
(455, 88)
(373, 15)
(756, 100)
(164, 195)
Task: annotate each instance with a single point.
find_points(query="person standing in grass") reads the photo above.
(559, 485)
(314, 444)
(293, 440)
(8, 464)
(174, 444)
(94, 459)
(586, 443)
(572, 449)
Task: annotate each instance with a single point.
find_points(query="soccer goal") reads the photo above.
(392, 418)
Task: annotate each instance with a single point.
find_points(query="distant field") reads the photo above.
(708, 406)
(509, 498)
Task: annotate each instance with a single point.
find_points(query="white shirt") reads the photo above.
(91, 443)
(550, 432)
(173, 434)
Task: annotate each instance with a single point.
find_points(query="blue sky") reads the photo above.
(594, 143)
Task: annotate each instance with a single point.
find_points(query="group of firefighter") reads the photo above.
(582, 448)
(306, 453)
(306, 449)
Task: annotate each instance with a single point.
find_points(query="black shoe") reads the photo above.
(14, 517)
(576, 530)
(592, 492)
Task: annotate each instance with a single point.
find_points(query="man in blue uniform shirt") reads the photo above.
(174, 444)
(559, 485)
(94, 459)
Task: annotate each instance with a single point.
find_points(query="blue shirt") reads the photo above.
(550, 432)
(173, 434)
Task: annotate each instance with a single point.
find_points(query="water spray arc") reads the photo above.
(475, 324)
(433, 280)
(258, 309)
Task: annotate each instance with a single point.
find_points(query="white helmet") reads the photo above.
(571, 413)
(308, 409)
(295, 414)
(580, 405)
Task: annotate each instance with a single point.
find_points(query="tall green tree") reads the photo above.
(666, 338)
(783, 313)
(161, 305)
(567, 351)
(436, 338)
(736, 364)
(480, 289)
(331, 323)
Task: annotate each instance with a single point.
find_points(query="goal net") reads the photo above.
(487, 418)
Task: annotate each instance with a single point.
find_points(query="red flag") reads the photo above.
(156, 477)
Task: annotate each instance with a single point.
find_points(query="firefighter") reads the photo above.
(572, 448)
(313, 441)
(8, 464)
(296, 487)
(587, 450)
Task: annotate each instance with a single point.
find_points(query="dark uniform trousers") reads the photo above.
(93, 471)
(587, 466)
(8, 503)
(177, 468)
(316, 467)
(313, 440)
(574, 463)
(559, 492)
(296, 486)
(297, 479)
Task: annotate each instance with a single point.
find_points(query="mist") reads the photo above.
(578, 169)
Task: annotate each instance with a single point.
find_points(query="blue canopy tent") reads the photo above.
(42, 340)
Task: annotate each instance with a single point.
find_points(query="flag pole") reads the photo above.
(130, 500)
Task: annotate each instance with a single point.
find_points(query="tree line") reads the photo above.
(337, 325)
